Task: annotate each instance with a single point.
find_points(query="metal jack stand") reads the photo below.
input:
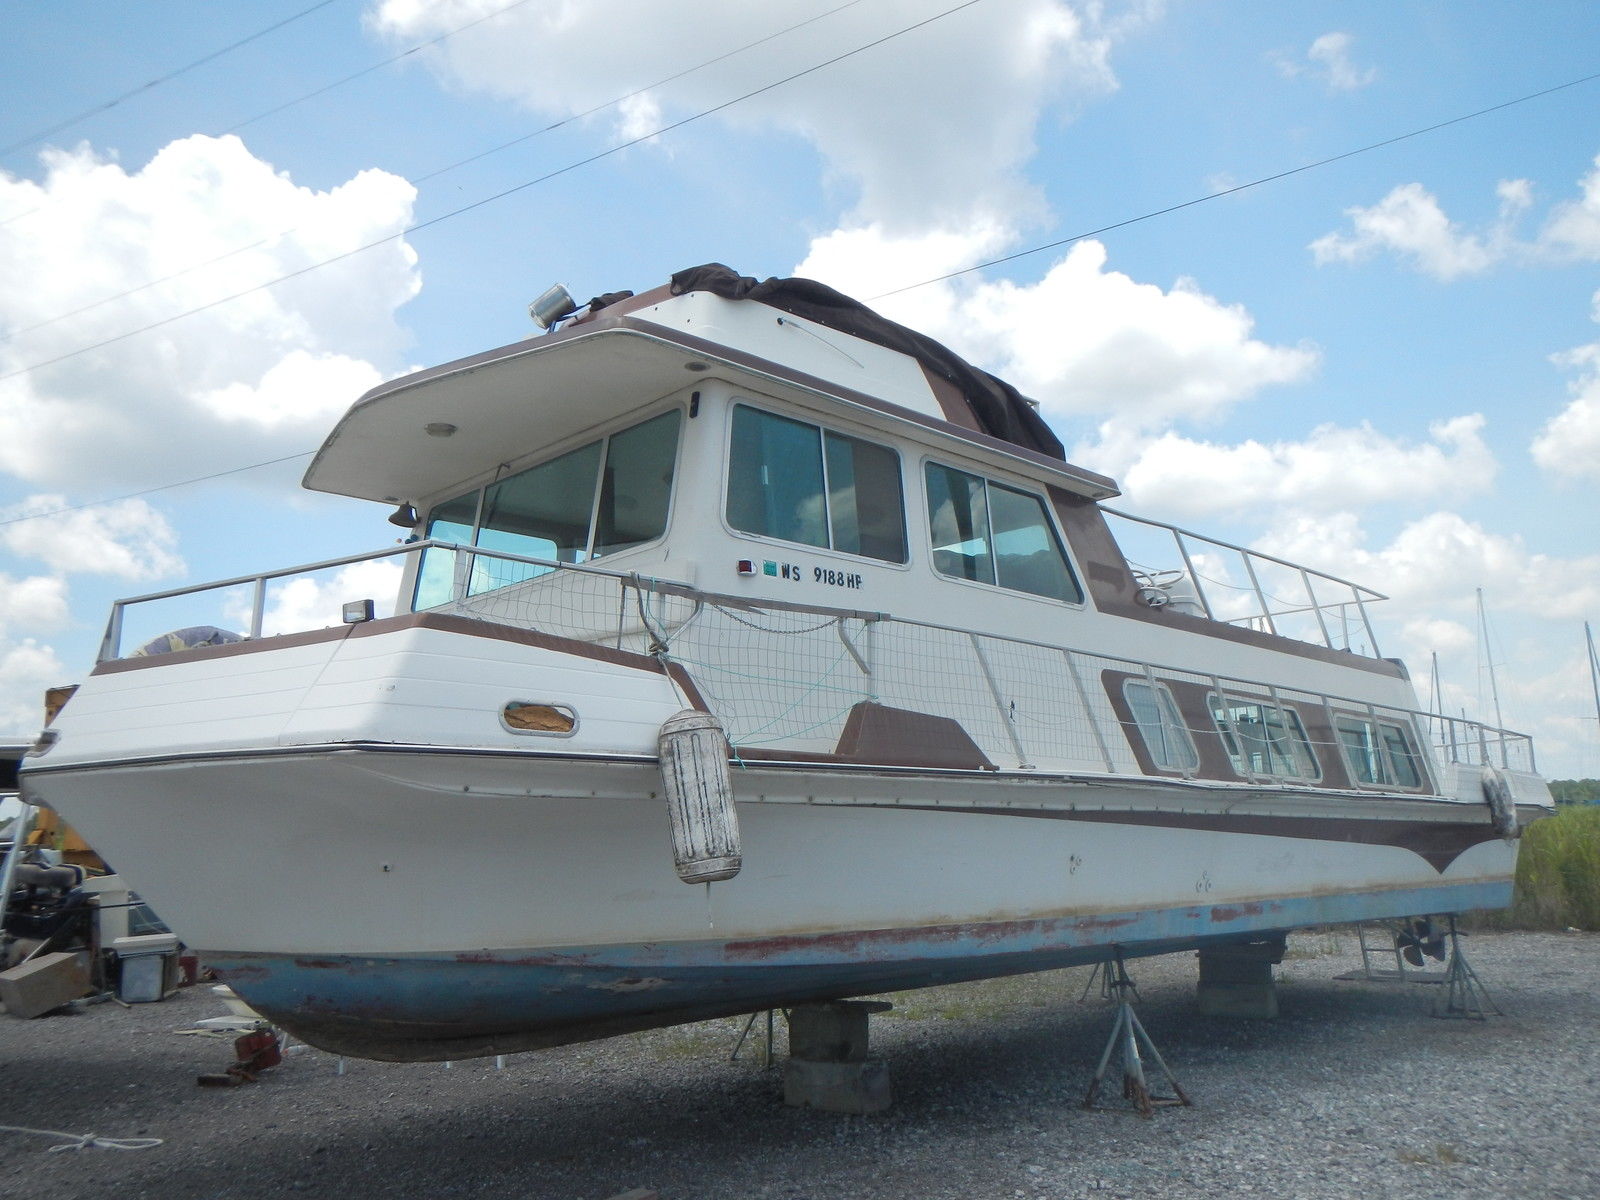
(1126, 1033)
(739, 1045)
(1110, 989)
(1465, 998)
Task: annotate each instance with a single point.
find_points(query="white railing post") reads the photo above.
(111, 644)
(1000, 704)
(258, 607)
(1089, 713)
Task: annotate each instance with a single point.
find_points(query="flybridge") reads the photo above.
(417, 436)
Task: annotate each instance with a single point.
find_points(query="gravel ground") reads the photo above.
(1353, 1092)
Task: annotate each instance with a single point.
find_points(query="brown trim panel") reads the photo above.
(1438, 843)
(444, 622)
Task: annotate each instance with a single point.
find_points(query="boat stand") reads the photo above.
(1127, 1032)
(745, 1032)
(1465, 998)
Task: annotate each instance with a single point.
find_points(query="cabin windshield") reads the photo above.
(602, 498)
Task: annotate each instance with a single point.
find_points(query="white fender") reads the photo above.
(699, 790)
(1502, 805)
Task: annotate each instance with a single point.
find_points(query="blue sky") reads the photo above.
(1388, 365)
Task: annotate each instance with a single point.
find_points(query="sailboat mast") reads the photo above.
(1594, 670)
(1488, 656)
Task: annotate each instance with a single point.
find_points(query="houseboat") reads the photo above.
(747, 649)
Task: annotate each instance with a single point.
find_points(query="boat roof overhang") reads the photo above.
(545, 390)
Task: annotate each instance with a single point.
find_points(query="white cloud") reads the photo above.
(1410, 223)
(278, 361)
(127, 539)
(310, 602)
(930, 127)
(35, 602)
(1332, 469)
(1328, 58)
(1573, 229)
(1083, 340)
(1569, 443)
(26, 670)
(1438, 560)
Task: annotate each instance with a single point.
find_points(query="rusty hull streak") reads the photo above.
(855, 941)
(1235, 912)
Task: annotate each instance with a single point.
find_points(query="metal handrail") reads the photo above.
(1360, 594)
(1462, 731)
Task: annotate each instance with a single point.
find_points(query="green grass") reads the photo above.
(1558, 873)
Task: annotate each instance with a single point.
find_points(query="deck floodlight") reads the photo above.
(357, 611)
(405, 516)
(554, 305)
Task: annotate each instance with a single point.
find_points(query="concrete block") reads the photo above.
(1255, 1001)
(1237, 981)
(842, 1087)
(834, 1032)
(44, 984)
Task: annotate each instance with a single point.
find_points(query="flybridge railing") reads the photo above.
(787, 677)
(1241, 586)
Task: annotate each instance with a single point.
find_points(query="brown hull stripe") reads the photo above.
(1437, 843)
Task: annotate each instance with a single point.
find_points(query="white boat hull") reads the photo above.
(408, 902)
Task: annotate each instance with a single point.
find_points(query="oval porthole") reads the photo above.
(521, 716)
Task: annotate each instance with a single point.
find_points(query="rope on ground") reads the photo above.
(86, 1141)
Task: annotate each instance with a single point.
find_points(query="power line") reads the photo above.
(612, 103)
(388, 62)
(163, 487)
(639, 91)
(510, 191)
(1172, 208)
(158, 81)
(708, 112)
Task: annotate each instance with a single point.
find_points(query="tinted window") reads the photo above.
(1381, 754)
(991, 533)
(1160, 726)
(1263, 739)
(608, 496)
(800, 483)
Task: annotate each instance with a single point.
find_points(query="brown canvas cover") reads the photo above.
(998, 407)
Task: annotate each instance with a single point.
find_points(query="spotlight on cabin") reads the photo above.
(357, 611)
(405, 516)
(554, 305)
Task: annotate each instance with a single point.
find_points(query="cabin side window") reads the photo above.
(610, 495)
(990, 533)
(1263, 738)
(1160, 726)
(1378, 752)
(797, 482)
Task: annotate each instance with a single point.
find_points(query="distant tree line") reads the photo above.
(1575, 791)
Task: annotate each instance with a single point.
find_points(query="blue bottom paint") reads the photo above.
(456, 1005)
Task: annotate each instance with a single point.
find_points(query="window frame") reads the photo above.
(1052, 524)
(1375, 727)
(572, 445)
(1167, 706)
(1233, 742)
(740, 400)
